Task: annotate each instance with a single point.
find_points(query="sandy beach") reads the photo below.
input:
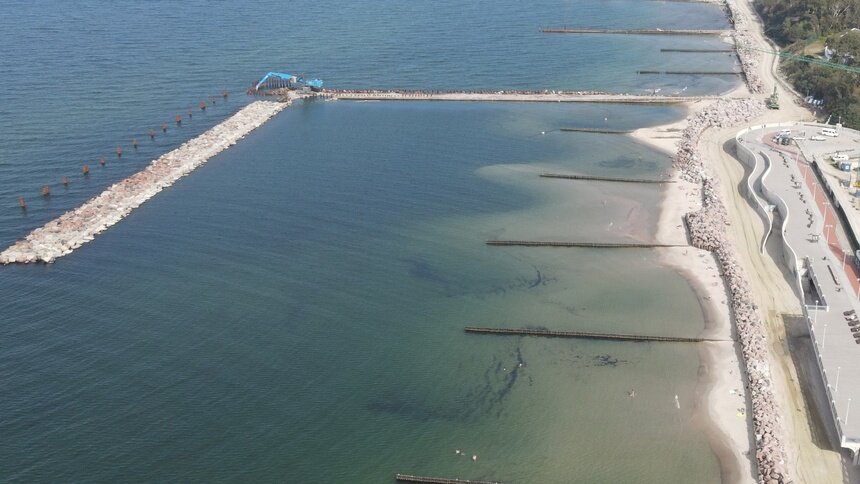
(724, 406)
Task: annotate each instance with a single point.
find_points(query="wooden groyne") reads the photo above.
(507, 96)
(701, 51)
(593, 245)
(693, 73)
(582, 334)
(62, 235)
(596, 130)
(566, 30)
(439, 480)
(602, 178)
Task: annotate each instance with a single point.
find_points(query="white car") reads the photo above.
(839, 157)
(817, 138)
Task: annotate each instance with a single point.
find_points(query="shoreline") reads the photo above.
(721, 384)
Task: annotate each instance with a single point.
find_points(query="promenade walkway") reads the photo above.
(826, 278)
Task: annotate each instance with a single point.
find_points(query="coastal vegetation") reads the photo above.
(820, 31)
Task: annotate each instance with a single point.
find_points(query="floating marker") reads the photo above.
(46, 191)
(66, 181)
(86, 169)
(21, 203)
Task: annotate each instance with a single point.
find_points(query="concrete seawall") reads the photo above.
(74, 228)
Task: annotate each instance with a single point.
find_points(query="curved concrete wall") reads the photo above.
(796, 265)
(758, 171)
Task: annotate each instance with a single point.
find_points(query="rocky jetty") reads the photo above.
(707, 231)
(74, 228)
(720, 114)
(743, 43)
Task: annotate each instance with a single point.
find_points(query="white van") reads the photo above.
(829, 132)
(785, 132)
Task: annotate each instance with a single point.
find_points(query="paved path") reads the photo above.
(810, 230)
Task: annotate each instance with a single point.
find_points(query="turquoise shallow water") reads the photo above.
(293, 311)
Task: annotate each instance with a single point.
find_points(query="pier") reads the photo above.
(439, 480)
(593, 245)
(548, 333)
(693, 73)
(602, 178)
(596, 130)
(701, 51)
(566, 30)
(74, 228)
(508, 96)
(62, 235)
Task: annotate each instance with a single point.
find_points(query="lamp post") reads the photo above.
(815, 316)
(836, 388)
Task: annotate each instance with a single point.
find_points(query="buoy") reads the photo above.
(178, 120)
(134, 143)
(457, 451)
(163, 127)
(66, 180)
(46, 191)
(86, 169)
(21, 203)
(102, 160)
(119, 151)
(203, 105)
(224, 94)
(474, 458)
(152, 134)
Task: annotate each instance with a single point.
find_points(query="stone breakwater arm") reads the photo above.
(74, 228)
(707, 231)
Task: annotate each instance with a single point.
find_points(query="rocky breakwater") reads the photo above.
(74, 228)
(743, 44)
(707, 229)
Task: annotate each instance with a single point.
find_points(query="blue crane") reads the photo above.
(291, 81)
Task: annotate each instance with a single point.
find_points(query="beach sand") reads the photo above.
(722, 380)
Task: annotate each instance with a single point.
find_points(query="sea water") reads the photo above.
(294, 310)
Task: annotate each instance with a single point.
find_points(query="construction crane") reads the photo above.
(282, 79)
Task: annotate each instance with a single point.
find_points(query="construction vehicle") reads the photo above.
(773, 100)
